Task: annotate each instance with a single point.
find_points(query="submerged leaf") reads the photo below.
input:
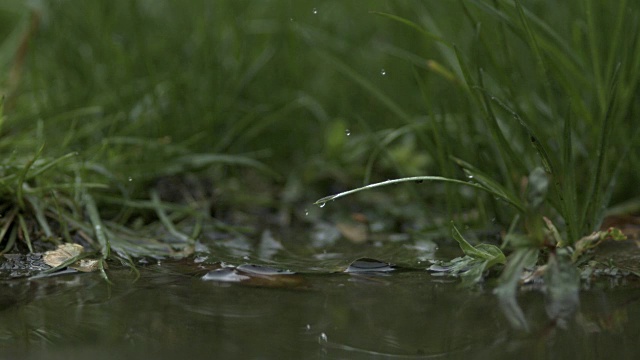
(369, 265)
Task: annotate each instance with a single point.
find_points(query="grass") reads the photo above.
(122, 117)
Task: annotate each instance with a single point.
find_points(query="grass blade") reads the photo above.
(23, 176)
(491, 185)
(98, 226)
(418, 179)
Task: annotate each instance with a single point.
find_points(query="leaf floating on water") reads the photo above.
(369, 265)
(263, 270)
(66, 252)
(224, 275)
(255, 275)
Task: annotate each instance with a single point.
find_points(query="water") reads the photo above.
(291, 304)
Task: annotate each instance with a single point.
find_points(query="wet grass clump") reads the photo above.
(128, 127)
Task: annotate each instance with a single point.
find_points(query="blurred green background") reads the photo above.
(287, 101)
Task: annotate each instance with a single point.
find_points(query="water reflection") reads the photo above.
(305, 307)
(406, 316)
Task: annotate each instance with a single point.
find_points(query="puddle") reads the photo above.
(367, 301)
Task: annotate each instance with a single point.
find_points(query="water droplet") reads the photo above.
(291, 20)
(348, 132)
(306, 212)
(322, 204)
(383, 72)
(245, 258)
(323, 337)
(493, 220)
(308, 326)
(130, 179)
(315, 11)
(470, 176)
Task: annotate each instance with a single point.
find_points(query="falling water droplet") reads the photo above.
(322, 204)
(323, 337)
(348, 132)
(291, 19)
(383, 72)
(493, 220)
(130, 179)
(315, 11)
(306, 212)
(470, 176)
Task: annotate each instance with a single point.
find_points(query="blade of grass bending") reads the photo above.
(168, 224)
(23, 175)
(103, 273)
(419, 179)
(509, 279)
(98, 226)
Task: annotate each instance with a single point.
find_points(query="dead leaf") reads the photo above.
(67, 251)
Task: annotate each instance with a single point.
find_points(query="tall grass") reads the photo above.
(551, 105)
(533, 104)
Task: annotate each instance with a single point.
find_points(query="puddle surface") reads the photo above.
(237, 302)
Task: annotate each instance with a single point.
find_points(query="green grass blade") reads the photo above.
(491, 185)
(199, 161)
(50, 164)
(25, 232)
(594, 196)
(569, 198)
(39, 210)
(97, 225)
(418, 179)
(168, 224)
(489, 253)
(23, 177)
